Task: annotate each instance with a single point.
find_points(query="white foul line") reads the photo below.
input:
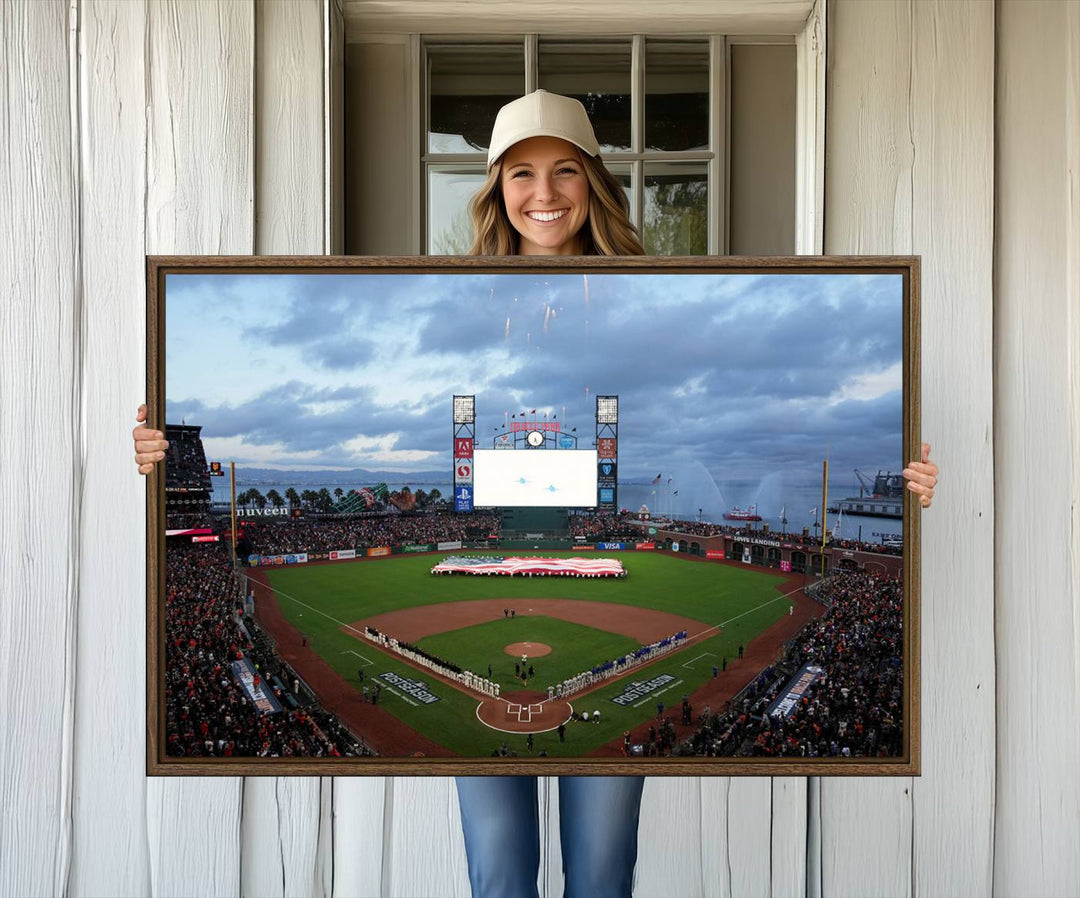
(723, 624)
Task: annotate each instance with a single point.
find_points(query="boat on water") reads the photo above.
(881, 498)
(738, 514)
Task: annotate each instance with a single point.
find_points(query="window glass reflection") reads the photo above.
(676, 95)
(676, 209)
(449, 191)
(467, 85)
(597, 74)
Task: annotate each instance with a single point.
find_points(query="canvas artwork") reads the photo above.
(431, 516)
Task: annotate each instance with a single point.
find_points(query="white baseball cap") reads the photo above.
(541, 114)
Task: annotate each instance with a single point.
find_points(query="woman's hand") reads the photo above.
(150, 445)
(922, 476)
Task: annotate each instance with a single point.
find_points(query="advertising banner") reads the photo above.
(261, 697)
(605, 447)
(645, 545)
(715, 553)
(606, 469)
(342, 554)
(675, 546)
(607, 495)
(503, 441)
(606, 546)
(785, 566)
(585, 546)
(378, 551)
(282, 512)
(566, 441)
(442, 547)
(463, 447)
(463, 500)
(256, 560)
(463, 470)
(527, 426)
(424, 547)
(206, 539)
(796, 689)
(746, 555)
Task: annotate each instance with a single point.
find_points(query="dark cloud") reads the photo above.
(739, 382)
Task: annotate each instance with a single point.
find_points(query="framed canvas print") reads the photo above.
(546, 516)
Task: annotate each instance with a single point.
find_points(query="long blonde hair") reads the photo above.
(608, 230)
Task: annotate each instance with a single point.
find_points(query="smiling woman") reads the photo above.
(547, 190)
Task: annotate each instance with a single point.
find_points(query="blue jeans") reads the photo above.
(598, 822)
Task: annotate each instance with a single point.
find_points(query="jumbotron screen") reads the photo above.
(564, 479)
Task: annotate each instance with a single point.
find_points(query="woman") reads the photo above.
(548, 193)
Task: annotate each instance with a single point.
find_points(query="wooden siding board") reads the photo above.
(358, 832)
(670, 838)
(868, 196)
(788, 837)
(282, 815)
(110, 855)
(953, 229)
(424, 849)
(289, 128)
(910, 170)
(199, 192)
(1037, 824)
(40, 451)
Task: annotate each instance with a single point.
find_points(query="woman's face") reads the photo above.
(546, 195)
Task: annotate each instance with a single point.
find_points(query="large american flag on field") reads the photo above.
(511, 566)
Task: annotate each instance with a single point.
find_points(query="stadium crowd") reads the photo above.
(853, 710)
(207, 711)
(185, 460)
(188, 520)
(603, 526)
(705, 528)
(292, 536)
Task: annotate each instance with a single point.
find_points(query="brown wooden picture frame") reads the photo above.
(161, 761)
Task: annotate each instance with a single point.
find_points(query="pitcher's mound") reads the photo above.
(532, 649)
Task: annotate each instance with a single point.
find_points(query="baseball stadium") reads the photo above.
(529, 613)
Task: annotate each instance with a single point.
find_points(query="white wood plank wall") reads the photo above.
(1037, 450)
(910, 152)
(953, 131)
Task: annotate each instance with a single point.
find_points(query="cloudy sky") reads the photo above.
(738, 376)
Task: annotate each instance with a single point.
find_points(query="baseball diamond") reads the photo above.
(467, 623)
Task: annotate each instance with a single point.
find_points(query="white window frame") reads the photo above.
(810, 125)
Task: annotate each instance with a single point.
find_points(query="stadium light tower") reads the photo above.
(607, 452)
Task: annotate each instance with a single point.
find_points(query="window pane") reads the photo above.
(623, 174)
(449, 191)
(676, 209)
(676, 95)
(466, 87)
(597, 74)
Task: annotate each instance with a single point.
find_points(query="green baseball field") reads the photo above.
(564, 625)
